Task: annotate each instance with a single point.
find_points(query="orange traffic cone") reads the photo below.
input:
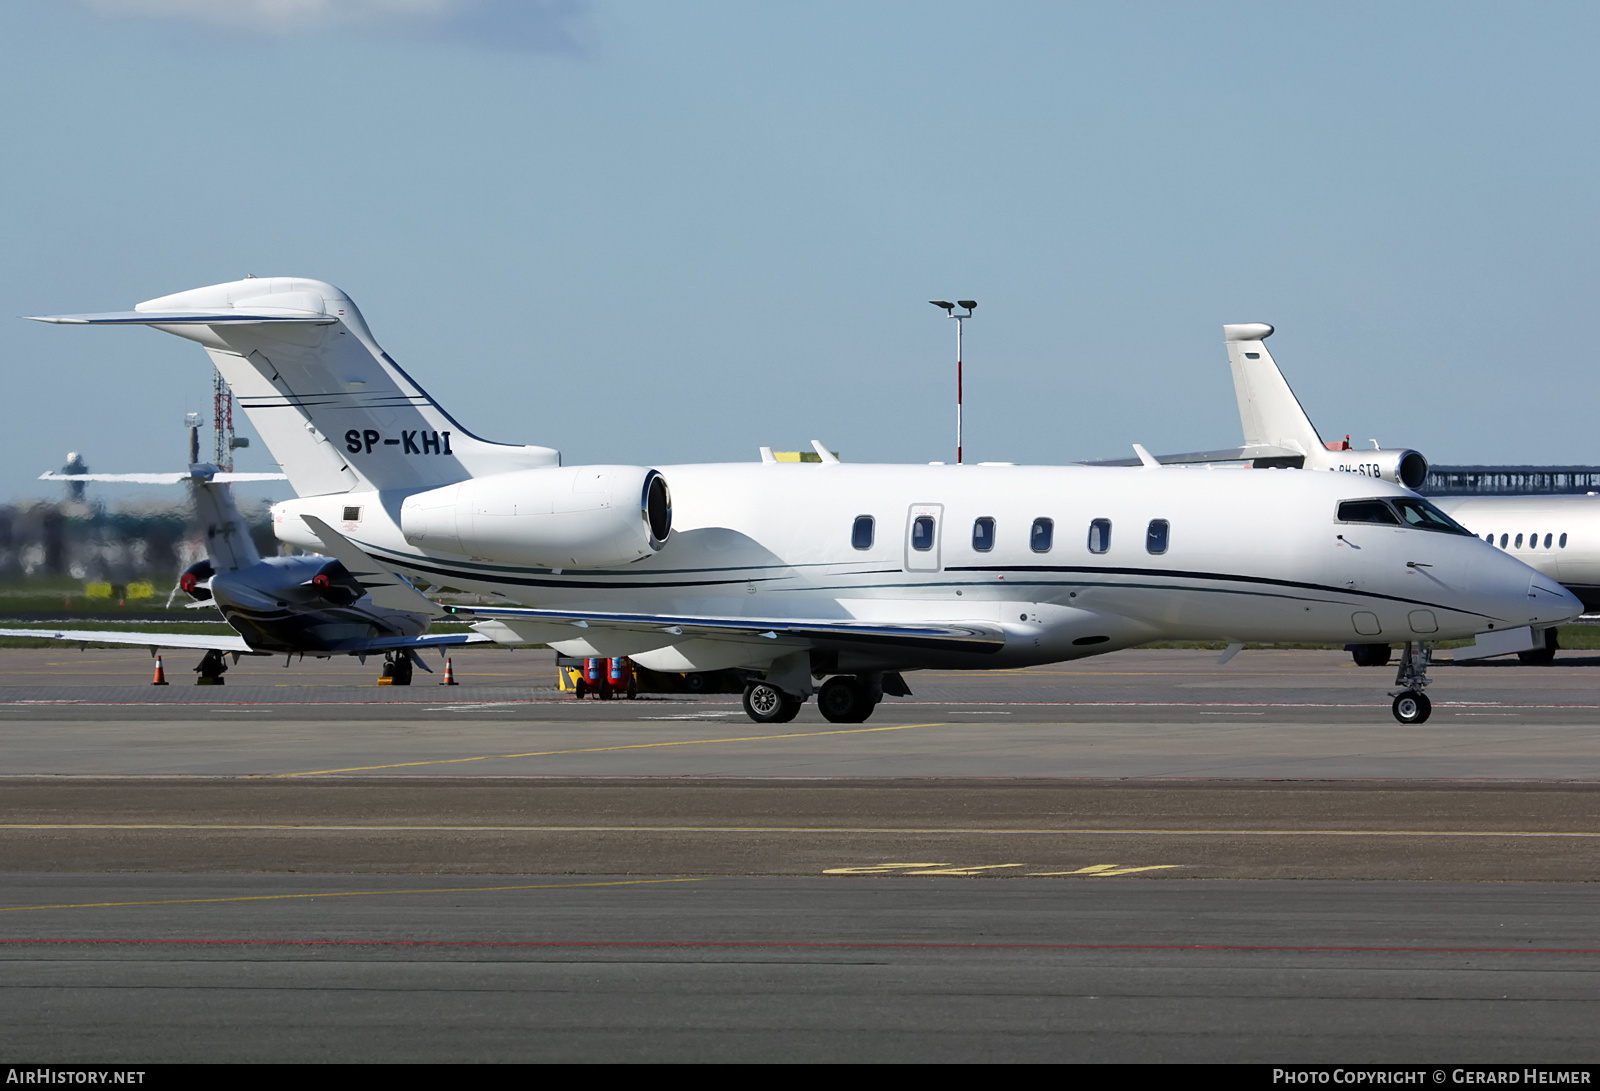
(449, 673)
(161, 675)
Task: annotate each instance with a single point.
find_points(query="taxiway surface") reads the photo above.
(1140, 856)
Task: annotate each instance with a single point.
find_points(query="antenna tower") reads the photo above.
(222, 423)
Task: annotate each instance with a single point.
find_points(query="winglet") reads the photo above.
(823, 453)
(1146, 457)
(386, 588)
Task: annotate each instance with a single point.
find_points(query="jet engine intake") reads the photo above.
(550, 517)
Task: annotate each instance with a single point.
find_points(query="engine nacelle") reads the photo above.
(1407, 468)
(552, 517)
(196, 580)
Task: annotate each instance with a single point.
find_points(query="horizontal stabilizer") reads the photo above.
(221, 478)
(181, 318)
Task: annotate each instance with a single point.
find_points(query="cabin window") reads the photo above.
(352, 515)
(1563, 541)
(922, 533)
(861, 535)
(1099, 535)
(1042, 535)
(1503, 541)
(1518, 542)
(1547, 541)
(1367, 511)
(1155, 537)
(983, 534)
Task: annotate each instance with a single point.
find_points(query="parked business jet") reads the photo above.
(1277, 432)
(305, 605)
(844, 574)
(1559, 536)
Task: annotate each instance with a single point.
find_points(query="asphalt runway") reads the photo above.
(1143, 856)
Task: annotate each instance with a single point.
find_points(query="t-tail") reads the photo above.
(1276, 424)
(1278, 434)
(333, 407)
(1270, 414)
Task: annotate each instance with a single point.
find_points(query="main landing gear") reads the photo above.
(1411, 705)
(1369, 655)
(846, 699)
(842, 699)
(396, 670)
(212, 667)
(765, 703)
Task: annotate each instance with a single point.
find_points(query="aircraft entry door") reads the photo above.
(922, 537)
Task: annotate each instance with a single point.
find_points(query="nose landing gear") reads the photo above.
(1411, 705)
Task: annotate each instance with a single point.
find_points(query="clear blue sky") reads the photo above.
(665, 232)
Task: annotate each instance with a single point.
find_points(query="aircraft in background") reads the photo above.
(1277, 432)
(827, 578)
(1558, 536)
(305, 605)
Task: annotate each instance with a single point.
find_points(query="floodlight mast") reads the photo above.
(949, 309)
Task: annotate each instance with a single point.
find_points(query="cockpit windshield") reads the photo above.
(1410, 511)
(1417, 512)
(1367, 511)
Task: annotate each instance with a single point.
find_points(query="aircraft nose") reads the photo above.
(1550, 602)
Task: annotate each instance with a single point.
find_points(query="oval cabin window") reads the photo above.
(1042, 535)
(983, 534)
(1100, 536)
(1155, 538)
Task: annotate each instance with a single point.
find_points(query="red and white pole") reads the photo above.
(958, 389)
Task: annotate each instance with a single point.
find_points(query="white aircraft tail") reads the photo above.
(1272, 416)
(334, 409)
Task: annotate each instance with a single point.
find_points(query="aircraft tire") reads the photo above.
(767, 704)
(1371, 655)
(844, 700)
(1542, 656)
(1412, 707)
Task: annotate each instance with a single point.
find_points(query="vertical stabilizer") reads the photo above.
(1268, 410)
(227, 538)
(334, 409)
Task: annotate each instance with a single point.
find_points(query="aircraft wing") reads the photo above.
(976, 636)
(399, 594)
(147, 640)
(1227, 454)
(395, 643)
(180, 318)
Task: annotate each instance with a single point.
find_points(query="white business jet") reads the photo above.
(823, 577)
(1557, 535)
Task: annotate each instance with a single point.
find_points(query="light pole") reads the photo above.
(970, 305)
